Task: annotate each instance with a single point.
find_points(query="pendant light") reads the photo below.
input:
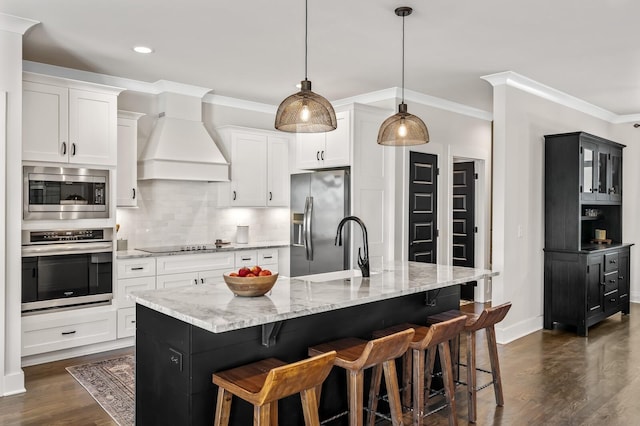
(305, 111)
(403, 129)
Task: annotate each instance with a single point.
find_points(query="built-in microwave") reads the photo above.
(65, 193)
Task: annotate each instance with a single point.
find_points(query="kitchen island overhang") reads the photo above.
(185, 334)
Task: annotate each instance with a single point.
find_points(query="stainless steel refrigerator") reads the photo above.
(319, 200)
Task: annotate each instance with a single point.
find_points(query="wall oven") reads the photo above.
(66, 268)
(65, 193)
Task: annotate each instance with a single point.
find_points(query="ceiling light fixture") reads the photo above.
(142, 49)
(305, 111)
(403, 129)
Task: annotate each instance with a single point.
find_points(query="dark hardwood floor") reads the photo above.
(549, 378)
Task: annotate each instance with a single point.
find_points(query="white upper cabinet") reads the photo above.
(259, 168)
(325, 150)
(127, 169)
(66, 121)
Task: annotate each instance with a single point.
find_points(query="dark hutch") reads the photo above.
(586, 262)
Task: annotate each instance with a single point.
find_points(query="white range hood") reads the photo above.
(180, 148)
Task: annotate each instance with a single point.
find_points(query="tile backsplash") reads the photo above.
(179, 212)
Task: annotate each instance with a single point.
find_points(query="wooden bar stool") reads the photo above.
(426, 340)
(487, 320)
(356, 355)
(264, 382)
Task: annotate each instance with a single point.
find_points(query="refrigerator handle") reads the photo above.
(308, 210)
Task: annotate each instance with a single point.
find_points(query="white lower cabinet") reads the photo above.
(192, 269)
(265, 258)
(67, 329)
(133, 275)
(126, 322)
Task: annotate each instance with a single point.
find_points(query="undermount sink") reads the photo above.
(336, 275)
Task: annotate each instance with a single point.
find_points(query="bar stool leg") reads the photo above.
(406, 379)
(355, 385)
(374, 393)
(309, 408)
(447, 378)
(431, 363)
(418, 383)
(261, 415)
(471, 375)
(273, 410)
(224, 404)
(495, 365)
(391, 380)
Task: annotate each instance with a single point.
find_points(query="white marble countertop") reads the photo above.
(135, 253)
(214, 308)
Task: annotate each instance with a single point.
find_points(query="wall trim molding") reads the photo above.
(520, 329)
(215, 99)
(16, 24)
(518, 81)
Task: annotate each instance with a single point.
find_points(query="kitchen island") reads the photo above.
(185, 334)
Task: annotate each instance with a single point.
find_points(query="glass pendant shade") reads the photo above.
(403, 129)
(306, 112)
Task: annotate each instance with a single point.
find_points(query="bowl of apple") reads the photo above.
(250, 282)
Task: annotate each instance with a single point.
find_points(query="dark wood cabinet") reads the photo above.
(586, 279)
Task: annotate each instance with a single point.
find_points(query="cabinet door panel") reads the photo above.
(44, 122)
(602, 177)
(588, 170)
(615, 185)
(92, 128)
(248, 170)
(177, 280)
(278, 172)
(595, 275)
(337, 149)
(127, 165)
(308, 148)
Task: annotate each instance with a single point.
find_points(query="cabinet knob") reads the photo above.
(612, 300)
(201, 280)
(195, 281)
(621, 278)
(612, 281)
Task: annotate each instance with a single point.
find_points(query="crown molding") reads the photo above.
(510, 78)
(240, 103)
(16, 24)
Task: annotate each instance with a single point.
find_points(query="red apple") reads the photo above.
(265, 273)
(256, 270)
(244, 271)
(249, 275)
(233, 274)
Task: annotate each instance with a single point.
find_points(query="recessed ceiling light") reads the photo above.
(142, 49)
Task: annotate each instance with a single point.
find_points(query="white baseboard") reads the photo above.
(14, 384)
(520, 329)
(79, 351)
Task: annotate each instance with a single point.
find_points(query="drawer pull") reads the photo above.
(612, 300)
(621, 278)
(138, 268)
(66, 333)
(612, 281)
(246, 259)
(133, 321)
(613, 261)
(267, 257)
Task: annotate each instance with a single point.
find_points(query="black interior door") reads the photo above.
(423, 232)
(464, 221)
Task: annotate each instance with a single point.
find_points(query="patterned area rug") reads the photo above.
(112, 384)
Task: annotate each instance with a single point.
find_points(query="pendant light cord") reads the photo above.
(306, 35)
(402, 58)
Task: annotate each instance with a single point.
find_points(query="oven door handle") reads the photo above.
(66, 248)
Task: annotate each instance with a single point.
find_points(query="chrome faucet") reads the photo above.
(363, 263)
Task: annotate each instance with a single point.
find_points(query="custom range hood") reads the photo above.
(180, 148)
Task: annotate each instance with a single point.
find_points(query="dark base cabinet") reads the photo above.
(583, 288)
(175, 360)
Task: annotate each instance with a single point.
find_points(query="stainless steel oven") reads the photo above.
(66, 268)
(65, 193)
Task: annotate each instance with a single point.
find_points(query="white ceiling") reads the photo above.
(254, 49)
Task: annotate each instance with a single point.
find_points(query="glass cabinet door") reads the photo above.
(588, 170)
(615, 185)
(602, 183)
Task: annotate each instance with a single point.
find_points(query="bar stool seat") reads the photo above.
(263, 383)
(486, 320)
(355, 355)
(426, 340)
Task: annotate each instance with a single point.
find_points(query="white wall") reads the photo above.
(520, 122)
